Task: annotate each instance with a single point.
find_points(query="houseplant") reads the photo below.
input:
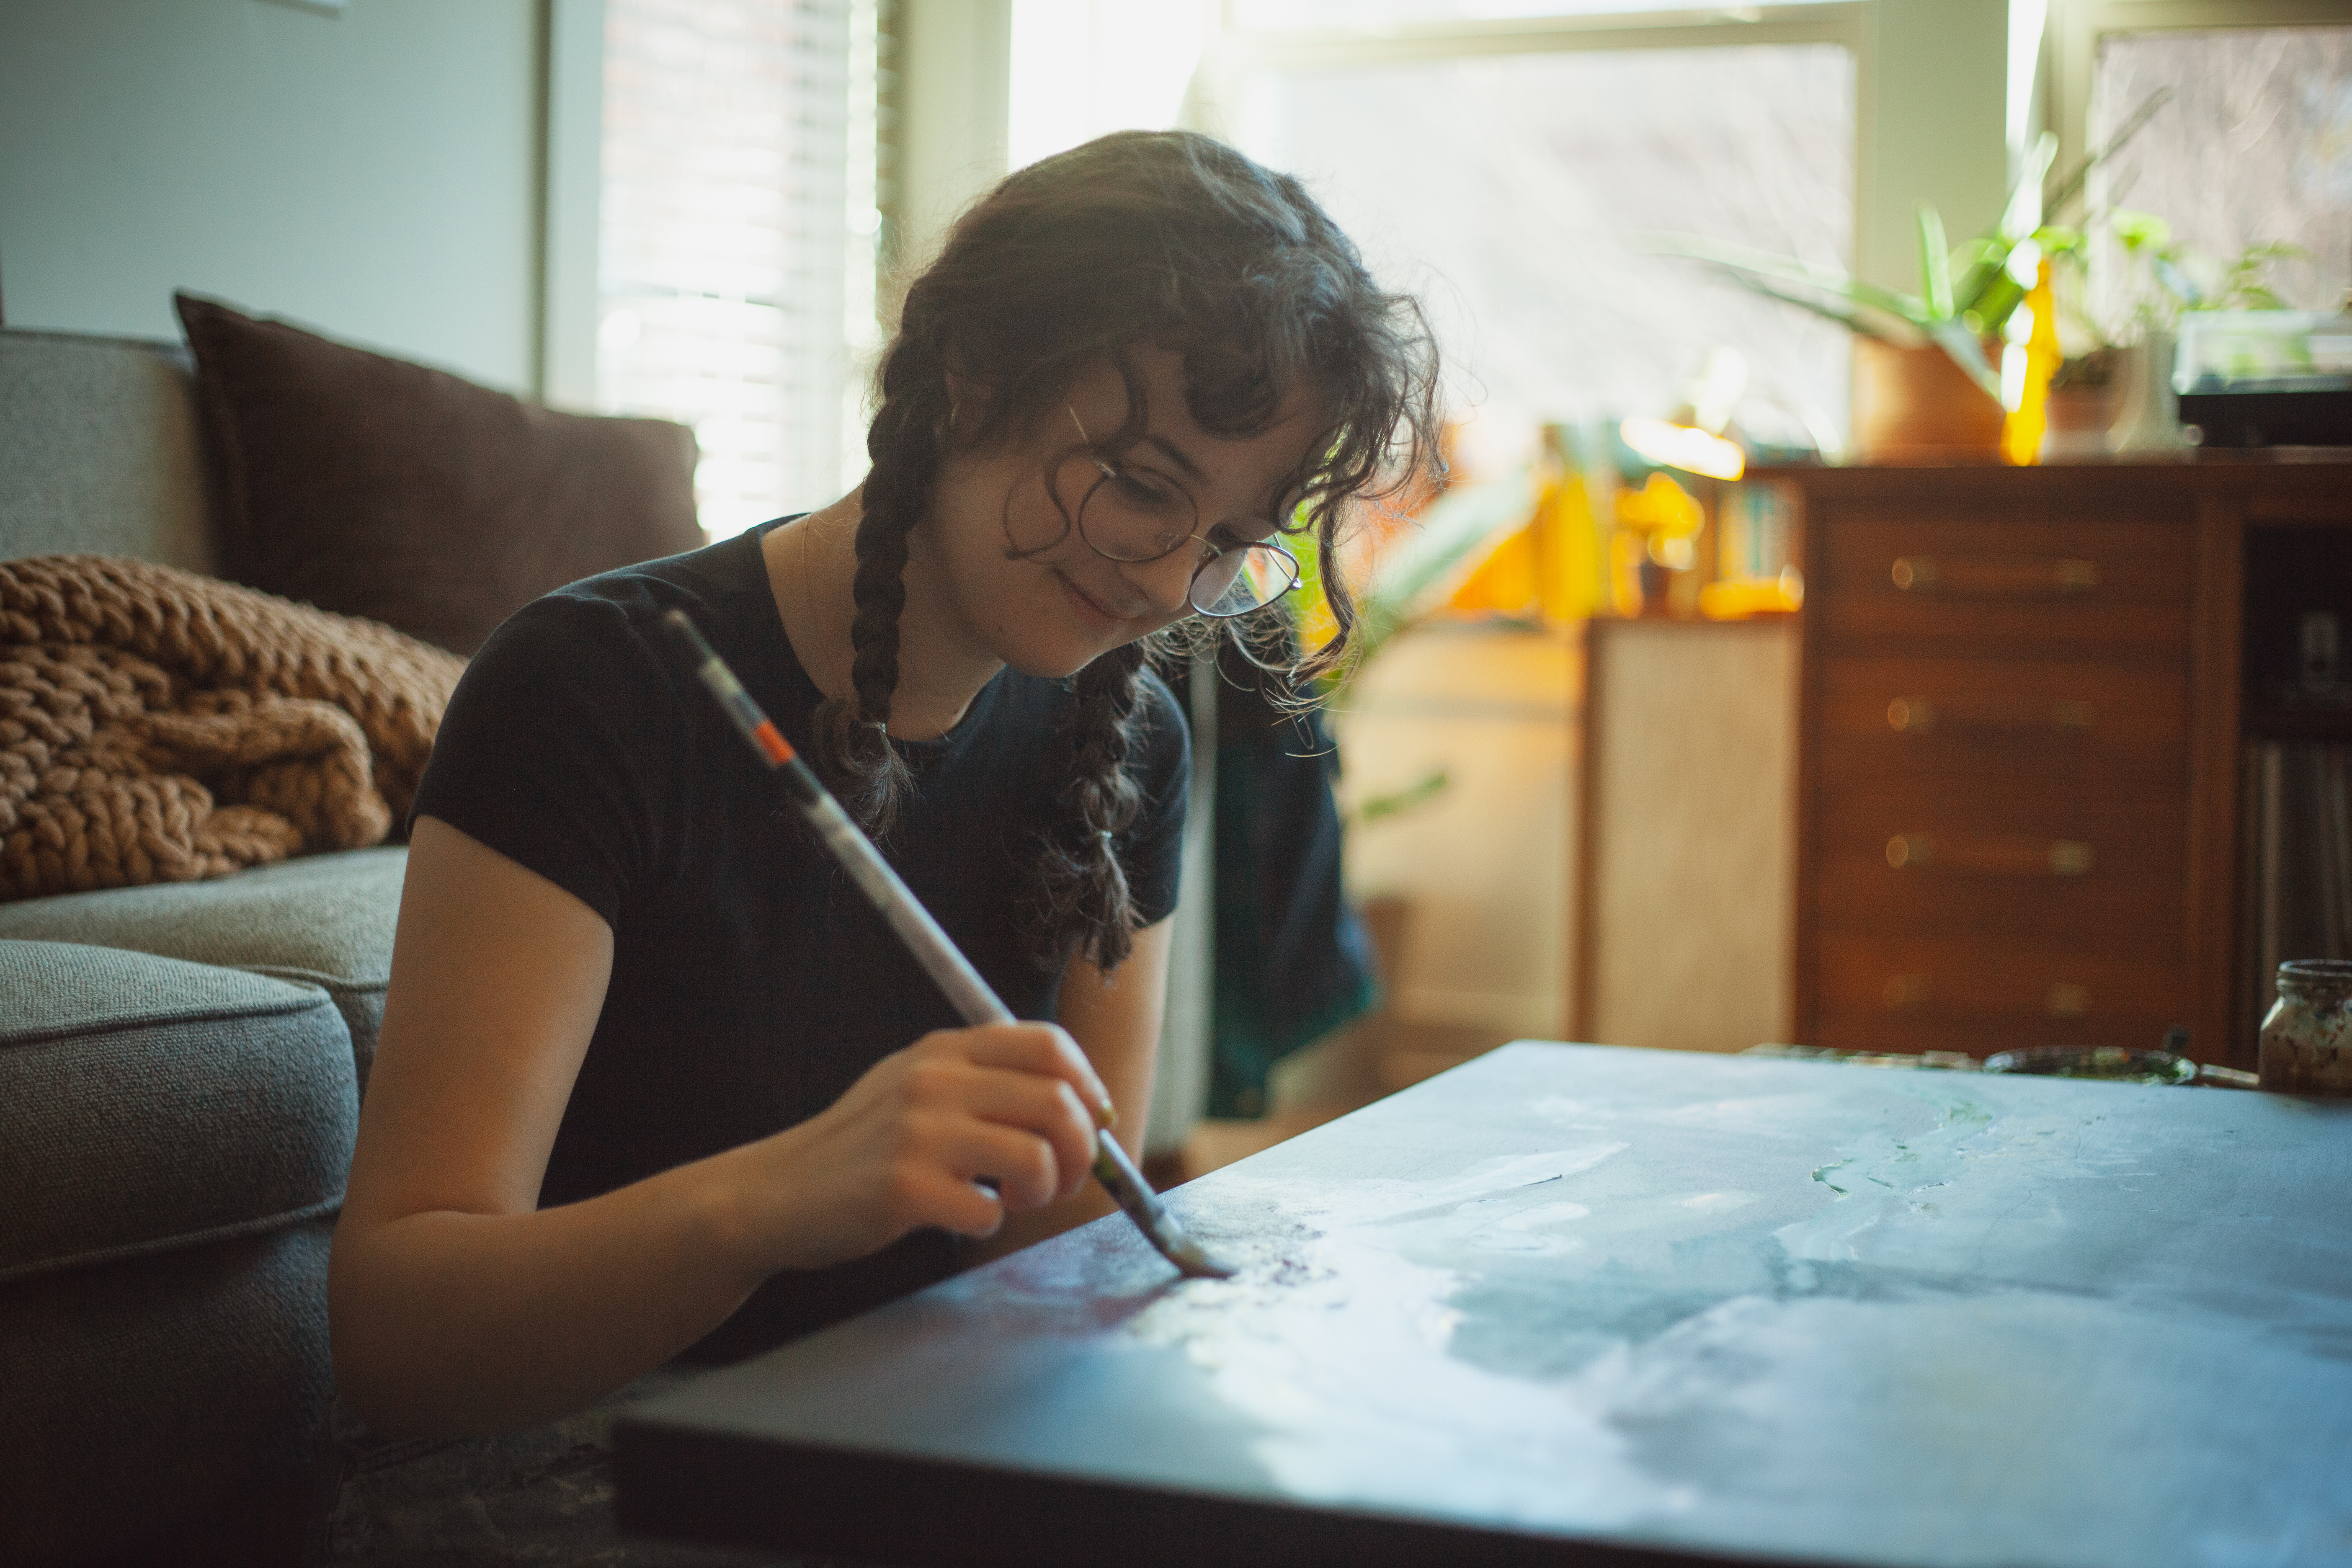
(2108, 394)
(1924, 385)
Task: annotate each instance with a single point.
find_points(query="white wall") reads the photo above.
(376, 173)
(1933, 127)
(955, 59)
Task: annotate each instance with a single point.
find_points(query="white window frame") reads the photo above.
(571, 197)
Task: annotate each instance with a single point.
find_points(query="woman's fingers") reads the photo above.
(942, 1166)
(1036, 1078)
(1044, 1112)
(1024, 1168)
(932, 1195)
(910, 1144)
(1043, 1049)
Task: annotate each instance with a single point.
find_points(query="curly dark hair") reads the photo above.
(1164, 239)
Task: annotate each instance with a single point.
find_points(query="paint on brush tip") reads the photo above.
(1195, 1264)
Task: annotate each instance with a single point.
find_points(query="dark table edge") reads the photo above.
(729, 1489)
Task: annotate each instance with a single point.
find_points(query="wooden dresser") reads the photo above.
(2019, 727)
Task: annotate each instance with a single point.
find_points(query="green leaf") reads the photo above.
(1901, 331)
(2139, 231)
(1427, 787)
(1456, 524)
(1992, 307)
(1882, 314)
(2057, 240)
(2272, 250)
(1963, 348)
(1983, 259)
(2021, 214)
(2071, 186)
(1935, 264)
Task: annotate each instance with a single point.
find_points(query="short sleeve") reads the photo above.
(1153, 848)
(556, 747)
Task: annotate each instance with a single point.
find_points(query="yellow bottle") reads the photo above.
(1571, 572)
(2020, 432)
(1553, 569)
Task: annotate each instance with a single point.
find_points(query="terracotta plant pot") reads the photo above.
(1915, 405)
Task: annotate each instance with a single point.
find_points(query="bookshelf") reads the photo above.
(2293, 897)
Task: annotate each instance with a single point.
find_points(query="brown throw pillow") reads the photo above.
(372, 487)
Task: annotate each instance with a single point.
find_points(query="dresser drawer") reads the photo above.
(1999, 584)
(2090, 723)
(1887, 992)
(2012, 853)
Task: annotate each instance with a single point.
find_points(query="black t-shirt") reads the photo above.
(751, 984)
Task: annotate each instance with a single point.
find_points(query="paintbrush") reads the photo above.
(969, 994)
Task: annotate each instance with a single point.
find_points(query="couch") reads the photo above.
(180, 1065)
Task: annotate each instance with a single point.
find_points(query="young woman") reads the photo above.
(653, 1081)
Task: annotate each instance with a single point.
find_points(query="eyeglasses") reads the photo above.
(1134, 514)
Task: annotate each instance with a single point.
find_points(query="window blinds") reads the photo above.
(725, 254)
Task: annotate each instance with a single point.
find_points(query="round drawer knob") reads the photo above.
(1907, 850)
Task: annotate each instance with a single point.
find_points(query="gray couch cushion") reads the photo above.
(154, 1106)
(147, 1397)
(324, 919)
(103, 450)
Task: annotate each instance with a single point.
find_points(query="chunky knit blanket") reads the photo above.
(159, 726)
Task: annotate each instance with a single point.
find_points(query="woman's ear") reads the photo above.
(954, 429)
(970, 405)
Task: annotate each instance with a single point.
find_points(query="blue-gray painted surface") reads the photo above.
(1711, 1305)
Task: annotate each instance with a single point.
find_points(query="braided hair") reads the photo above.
(1140, 237)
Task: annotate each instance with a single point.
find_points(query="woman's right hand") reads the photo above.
(1014, 1104)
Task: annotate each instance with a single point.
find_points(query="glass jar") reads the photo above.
(2308, 1038)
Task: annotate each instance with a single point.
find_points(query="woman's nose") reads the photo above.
(1166, 584)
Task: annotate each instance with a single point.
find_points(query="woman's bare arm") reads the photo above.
(456, 1305)
(1116, 1018)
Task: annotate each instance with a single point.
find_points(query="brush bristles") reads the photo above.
(1194, 1264)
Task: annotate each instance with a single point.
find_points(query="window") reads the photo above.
(1082, 68)
(1515, 179)
(736, 254)
(1508, 161)
(2253, 147)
